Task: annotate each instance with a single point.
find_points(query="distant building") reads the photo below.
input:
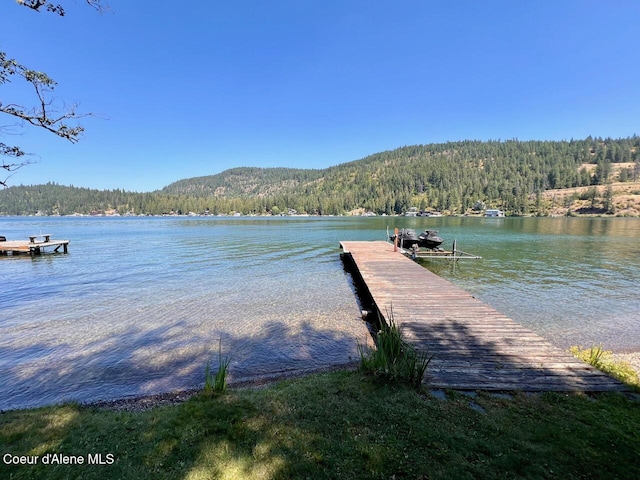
(493, 213)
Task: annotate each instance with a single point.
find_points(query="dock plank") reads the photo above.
(475, 347)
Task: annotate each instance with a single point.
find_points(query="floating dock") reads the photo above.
(34, 246)
(474, 346)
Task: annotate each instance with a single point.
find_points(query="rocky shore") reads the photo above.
(140, 404)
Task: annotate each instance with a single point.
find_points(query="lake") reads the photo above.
(141, 304)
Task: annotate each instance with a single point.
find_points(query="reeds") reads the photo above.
(394, 359)
(217, 383)
(600, 358)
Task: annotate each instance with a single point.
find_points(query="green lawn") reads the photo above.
(335, 425)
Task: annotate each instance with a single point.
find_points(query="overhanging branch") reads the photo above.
(57, 9)
(11, 162)
(45, 115)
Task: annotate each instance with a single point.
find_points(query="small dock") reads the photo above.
(36, 245)
(474, 346)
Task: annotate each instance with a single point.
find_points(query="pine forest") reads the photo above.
(594, 175)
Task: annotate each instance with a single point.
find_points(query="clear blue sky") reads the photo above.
(187, 89)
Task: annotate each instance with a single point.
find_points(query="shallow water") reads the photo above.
(139, 305)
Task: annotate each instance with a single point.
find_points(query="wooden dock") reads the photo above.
(34, 246)
(475, 347)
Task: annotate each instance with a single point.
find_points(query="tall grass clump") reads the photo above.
(394, 359)
(217, 383)
(600, 358)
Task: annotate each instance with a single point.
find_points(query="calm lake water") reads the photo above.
(139, 305)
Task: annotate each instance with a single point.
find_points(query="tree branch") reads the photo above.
(57, 9)
(45, 115)
(11, 166)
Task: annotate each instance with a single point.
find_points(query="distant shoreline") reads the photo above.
(570, 214)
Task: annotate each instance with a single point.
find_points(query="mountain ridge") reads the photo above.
(453, 177)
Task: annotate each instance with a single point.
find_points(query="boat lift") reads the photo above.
(453, 254)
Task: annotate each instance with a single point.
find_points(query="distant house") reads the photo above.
(493, 213)
(412, 212)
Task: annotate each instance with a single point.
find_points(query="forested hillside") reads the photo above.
(244, 182)
(454, 177)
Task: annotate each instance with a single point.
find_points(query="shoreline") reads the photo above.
(148, 402)
(141, 403)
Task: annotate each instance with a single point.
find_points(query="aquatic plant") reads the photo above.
(601, 359)
(217, 383)
(393, 358)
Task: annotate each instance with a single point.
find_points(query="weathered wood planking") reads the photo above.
(33, 247)
(475, 347)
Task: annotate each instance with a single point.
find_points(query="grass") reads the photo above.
(336, 425)
(602, 359)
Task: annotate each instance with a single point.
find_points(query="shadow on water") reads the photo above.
(144, 316)
(100, 372)
(292, 350)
